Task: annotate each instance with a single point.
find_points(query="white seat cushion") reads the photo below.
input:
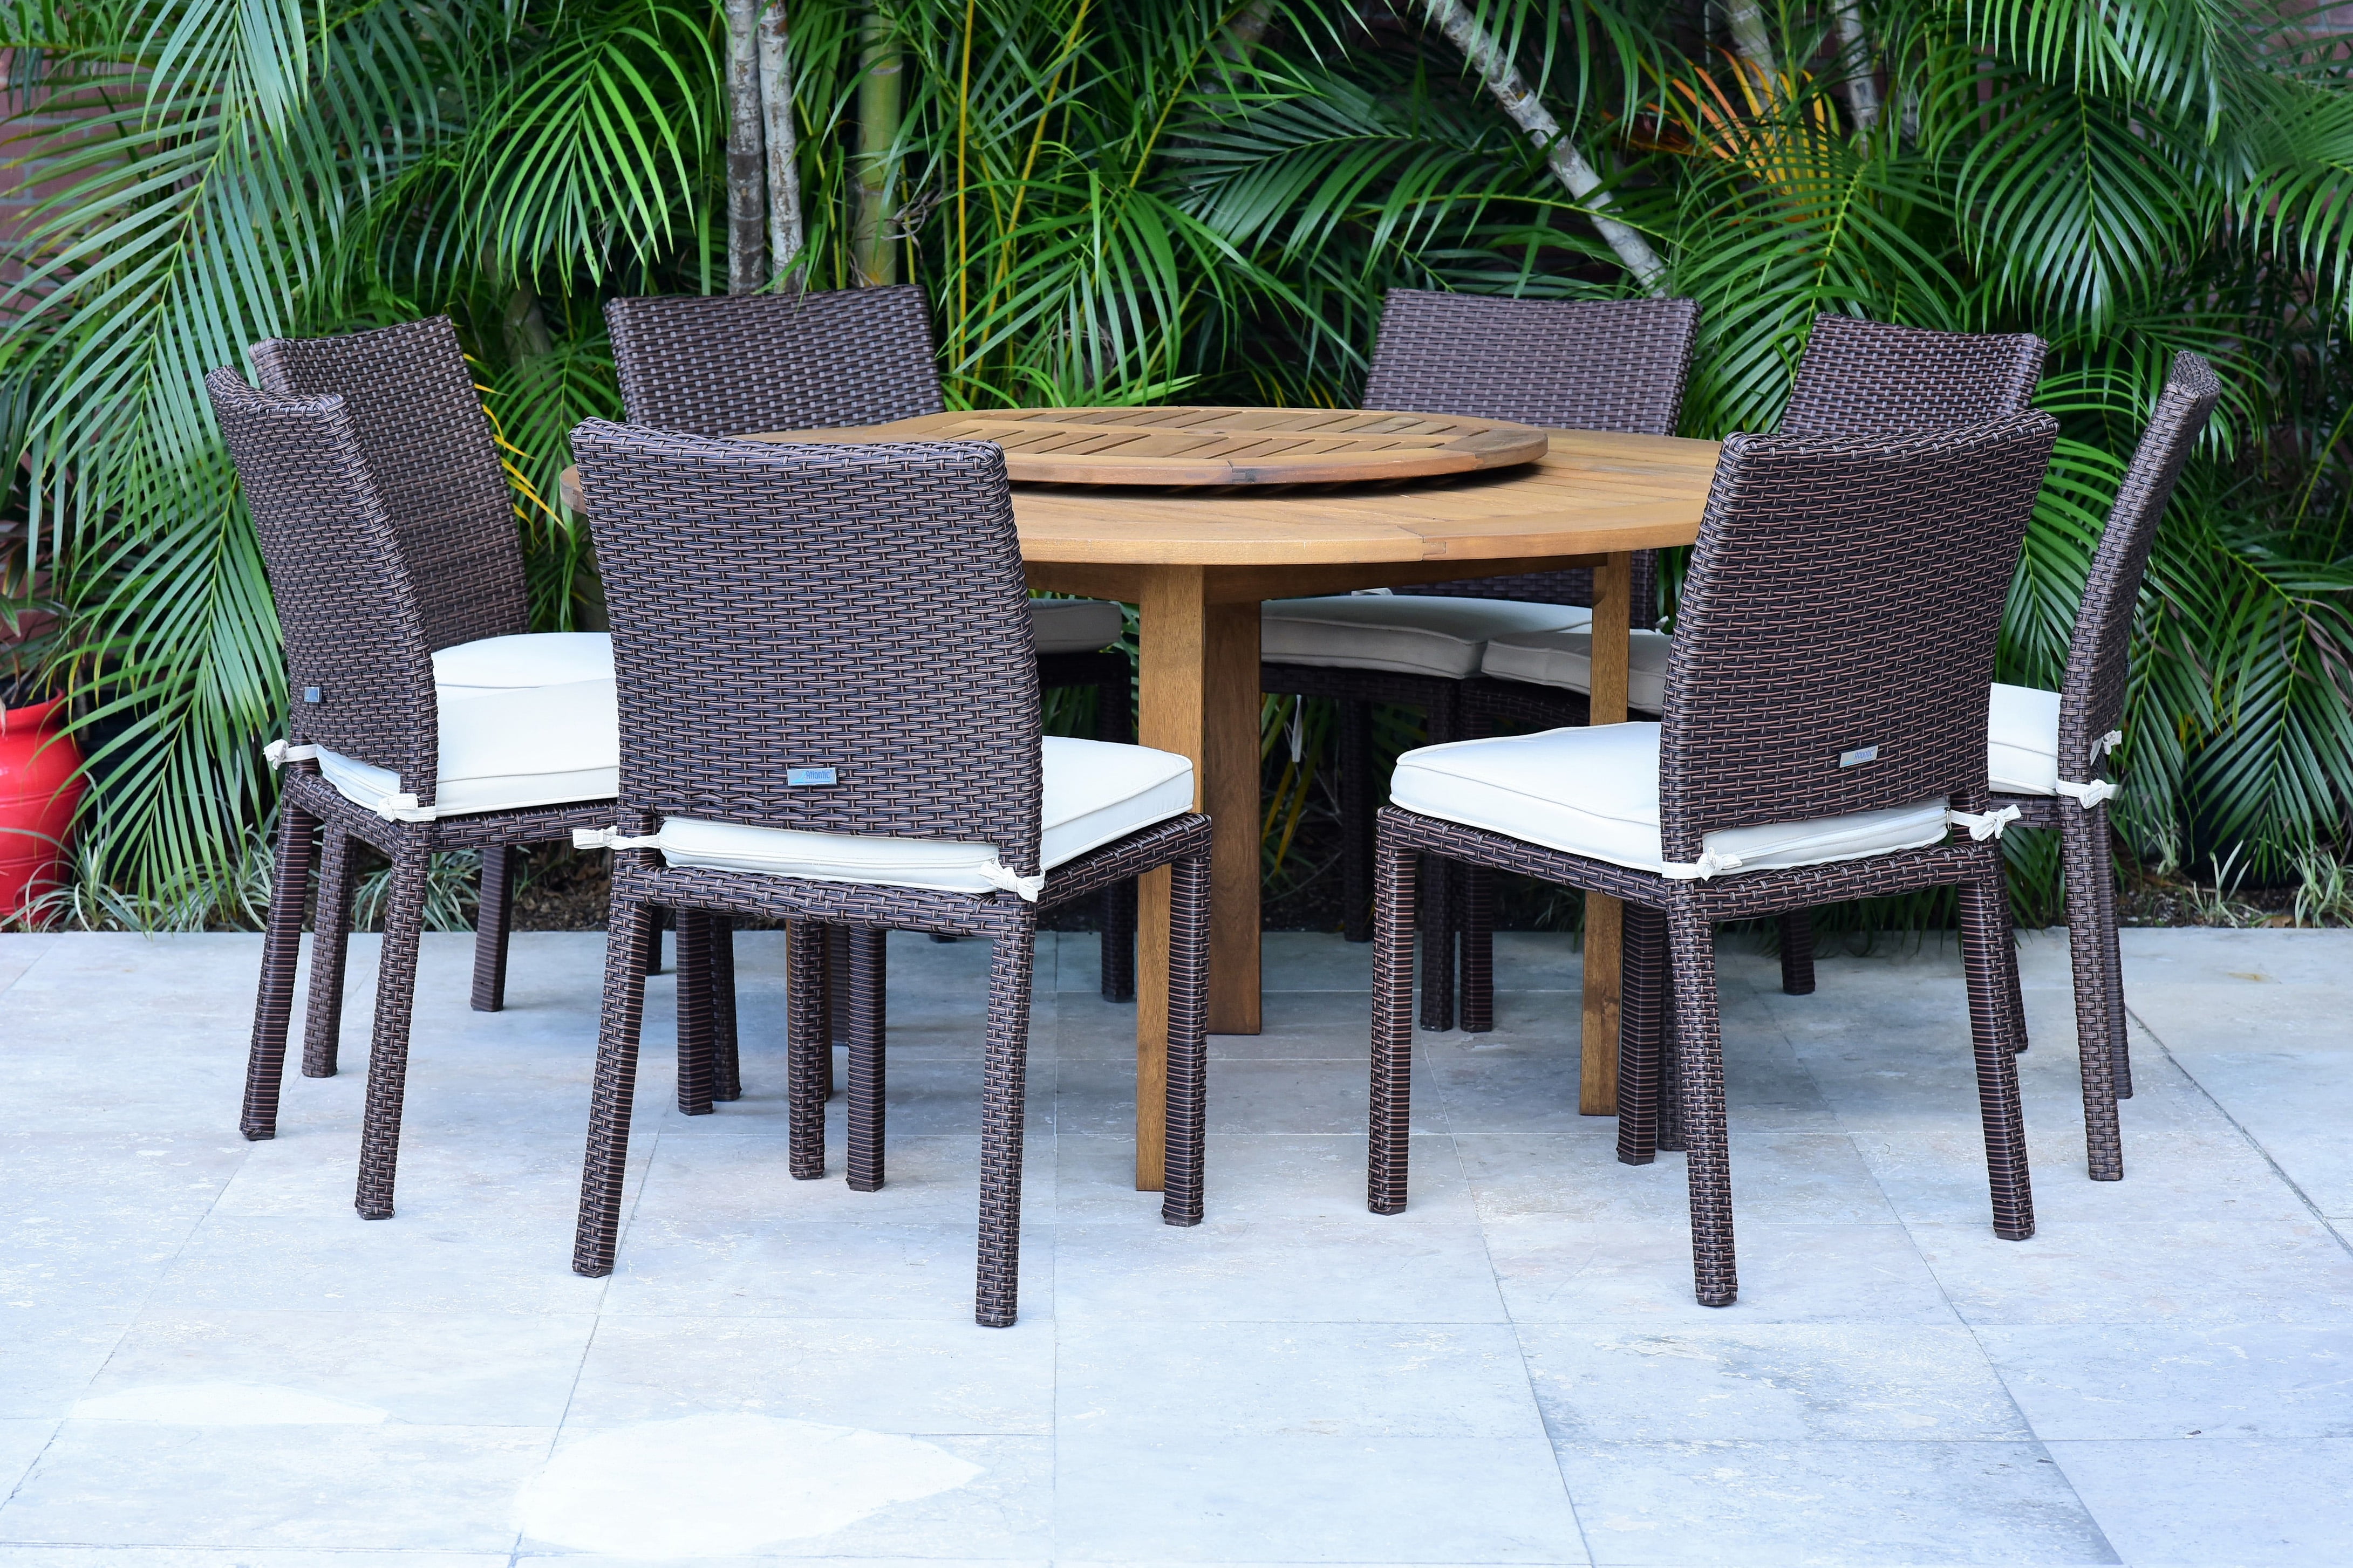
(532, 658)
(2022, 741)
(1410, 634)
(1075, 625)
(1595, 793)
(1095, 792)
(503, 749)
(1566, 659)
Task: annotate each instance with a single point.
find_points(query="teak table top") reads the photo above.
(1188, 446)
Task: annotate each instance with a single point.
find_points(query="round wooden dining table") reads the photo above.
(1197, 560)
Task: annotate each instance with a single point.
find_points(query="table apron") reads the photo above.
(1242, 584)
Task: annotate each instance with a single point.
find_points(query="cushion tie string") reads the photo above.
(2112, 739)
(1708, 865)
(2086, 795)
(279, 754)
(999, 876)
(1986, 824)
(612, 839)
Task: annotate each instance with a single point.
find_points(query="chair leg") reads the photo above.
(493, 917)
(1985, 960)
(322, 1023)
(660, 918)
(1798, 952)
(695, 1047)
(998, 1295)
(1638, 1035)
(281, 952)
(1671, 1073)
(2095, 1034)
(1715, 1275)
(1436, 920)
(868, 987)
(1357, 808)
(1188, 1041)
(630, 931)
(836, 999)
(1478, 885)
(1119, 942)
(726, 1062)
(396, 995)
(2103, 864)
(1391, 1127)
(1439, 979)
(808, 1048)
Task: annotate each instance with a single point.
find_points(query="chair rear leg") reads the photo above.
(1118, 963)
(726, 1060)
(660, 918)
(395, 996)
(1003, 1104)
(2095, 1043)
(281, 953)
(1357, 808)
(694, 1024)
(1391, 1123)
(868, 985)
(615, 1095)
(1188, 1041)
(2112, 958)
(1715, 1274)
(1436, 919)
(493, 919)
(1798, 952)
(809, 1048)
(1984, 959)
(1639, 1035)
(322, 1023)
(1478, 885)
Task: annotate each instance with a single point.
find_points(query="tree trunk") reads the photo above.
(746, 194)
(783, 150)
(874, 253)
(1503, 80)
(1754, 45)
(1855, 62)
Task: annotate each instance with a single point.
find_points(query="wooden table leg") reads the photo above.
(1597, 1092)
(1197, 680)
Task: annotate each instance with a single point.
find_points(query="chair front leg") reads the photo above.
(1640, 1034)
(1986, 960)
(809, 1048)
(395, 996)
(331, 943)
(868, 987)
(620, 1025)
(1389, 1130)
(1798, 952)
(1003, 1108)
(1183, 1148)
(694, 1023)
(1699, 1042)
(493, 920)
(281, 953)
(726, 1057)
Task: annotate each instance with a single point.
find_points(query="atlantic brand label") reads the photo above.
(794, 776)
(1860, 754)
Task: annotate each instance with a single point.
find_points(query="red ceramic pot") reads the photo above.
(41, 784)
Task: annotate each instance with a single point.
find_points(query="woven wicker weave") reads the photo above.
(348, 613)
(732, 365)
(1799, 535)
(1582, 365)
(777, 607)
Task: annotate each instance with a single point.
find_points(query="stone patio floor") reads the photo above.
(208, 1359)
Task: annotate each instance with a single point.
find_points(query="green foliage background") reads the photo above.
(1115, 200)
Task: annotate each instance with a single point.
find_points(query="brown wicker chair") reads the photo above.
(1856, 378)
(798, 744)
(1791, 768)
(1561, 364)
(378, 751)
(2048, 751)
(731, 364)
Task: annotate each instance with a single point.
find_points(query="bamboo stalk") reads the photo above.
(1854, 58)
(873, 256)
(1520, 103)
(783, 139)
(747, 197)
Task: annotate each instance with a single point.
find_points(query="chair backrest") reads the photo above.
(420, 425)
(720, 364)
(358, 665)
(778, 608)
(1836, 631)
(1866, 378)
(2092, 697)
(1564, 364)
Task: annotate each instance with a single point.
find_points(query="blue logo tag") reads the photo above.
(793, 776)
(1860, 754)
